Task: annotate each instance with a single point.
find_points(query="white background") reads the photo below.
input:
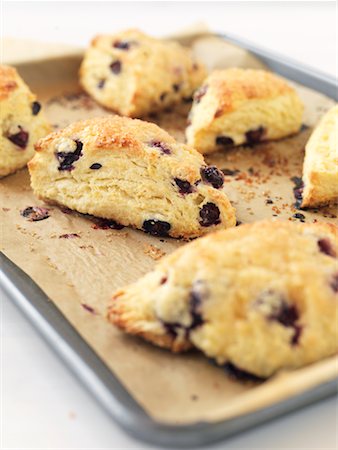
(42, 404)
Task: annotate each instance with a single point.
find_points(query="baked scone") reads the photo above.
(132, 172)
(21, 121)
(258, 298)
(320, 170)
(242, 106)
(134, 74)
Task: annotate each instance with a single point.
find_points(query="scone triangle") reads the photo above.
(132, 172)
(256, 298)
(320, 171)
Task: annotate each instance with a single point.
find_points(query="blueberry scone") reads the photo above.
(320, 171)
(21, 122)
(132, 172)
(257, 298)
(134, 74)
(242, 106)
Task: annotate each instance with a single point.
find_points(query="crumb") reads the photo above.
(88, 308)
(154, 252)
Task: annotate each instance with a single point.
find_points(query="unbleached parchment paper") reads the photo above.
(79, 265)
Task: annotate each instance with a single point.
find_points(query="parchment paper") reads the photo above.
(79, 265)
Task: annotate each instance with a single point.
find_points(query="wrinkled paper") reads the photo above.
(79, 264)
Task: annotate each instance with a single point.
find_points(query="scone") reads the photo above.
(21, 122)
(134, 74)
(242, 106)
(320, 170)
(134, 173)
(257, 298)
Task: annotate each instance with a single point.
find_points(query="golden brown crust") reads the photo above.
(8, 81)
(320, 169)
(236, 85)
(109, 133)
(20, 126)
(134, 74)
(242, 106)
(141, 166)
(261, 296)
(118, 315)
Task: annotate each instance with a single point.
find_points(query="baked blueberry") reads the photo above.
(20, 139)
(224, 141)
(161, 146)
(116, 67)
(156, 227)
(36, 106)
(326, 247)
(184, 186)
(213, 176)
(209, 214)
(255, 136)
(66, 159)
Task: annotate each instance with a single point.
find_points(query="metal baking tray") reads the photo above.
(97, 377)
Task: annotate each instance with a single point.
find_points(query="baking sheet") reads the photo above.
(79, 265)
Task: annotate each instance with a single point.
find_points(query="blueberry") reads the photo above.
(299, 216)
(326, 247)
(116, 67)
(122, 45)
(172, 328)
(184, 186)
(240, 374)
(334, 282)
(298, 191)
(160, 145)
(297, 181)
(156, 227)
(95, 166)
(101, 83)
(254, 136)
(35, 213)
(20, 139)
(66, 159)
(209, 215)
(210, 174)
(280, 311)
(287, 315)
(36, 108)
(176, 87)
(224, 141)
(163, 96)
(195, 309)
